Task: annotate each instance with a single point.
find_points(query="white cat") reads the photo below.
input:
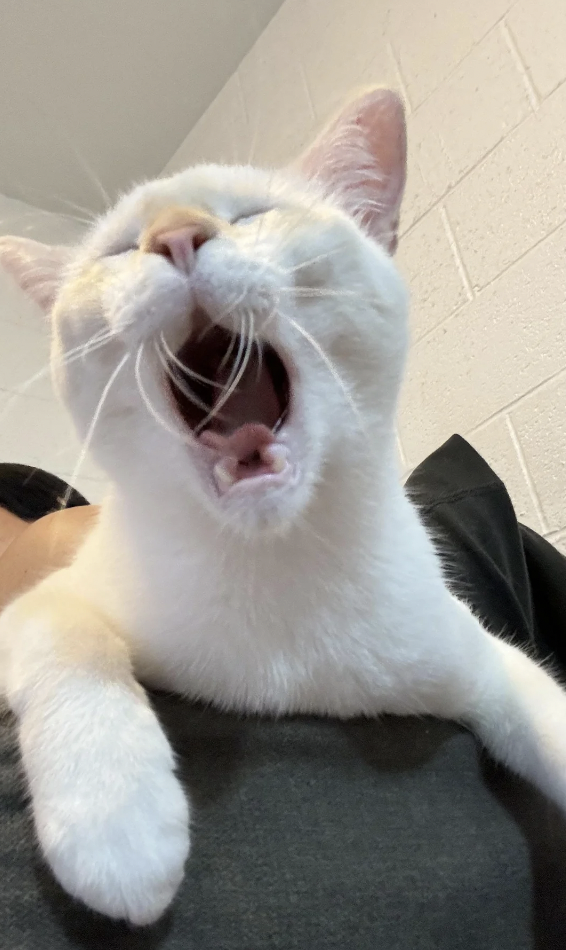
(230, 342)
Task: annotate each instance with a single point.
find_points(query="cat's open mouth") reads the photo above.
(234, 395)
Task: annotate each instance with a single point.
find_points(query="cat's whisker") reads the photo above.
(259, 368)
(312, 260)
(56, 124)
(70, 356)
(236, 362)
(272, 313)
(84, 164)
(232, 385)
(331, 369)
(173, 358)
(84, 349)
(227, 387)
(103, 333)
(148, 403)
(231, 306)
(228, 352)
(8, 221)
(179, 383)
(299, 291)
(89, 215)
(90, 432)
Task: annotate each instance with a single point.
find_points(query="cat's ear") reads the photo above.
(36, 267)
(360, 159)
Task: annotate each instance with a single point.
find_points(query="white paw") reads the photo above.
(111, 816)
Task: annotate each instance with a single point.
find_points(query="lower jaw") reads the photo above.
(229, 479)
(256, 484)
(255, 501)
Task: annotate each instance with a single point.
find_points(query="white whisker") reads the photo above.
(179, 383)
(259, 368)
(8, 221)
(89, 215)
(331, 369)
(272, 313)
(312, 260)
(235, 365)
(300, 291)
(228, 352)
(148, 403)
(186, 369)
(70, 356)
(88, 438)
(233, 384)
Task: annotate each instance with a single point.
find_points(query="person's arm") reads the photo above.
(44, 546)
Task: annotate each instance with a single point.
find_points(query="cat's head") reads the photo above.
(233, 335)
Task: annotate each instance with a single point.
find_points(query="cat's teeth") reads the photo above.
(224, 478)
(276, 457)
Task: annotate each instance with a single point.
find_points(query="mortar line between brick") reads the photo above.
(401, 450)
(306, 87)
(457, 254)
(518, 401)
(532, 95)
(400, 77)
(525, 470)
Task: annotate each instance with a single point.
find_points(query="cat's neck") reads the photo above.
(353, 501)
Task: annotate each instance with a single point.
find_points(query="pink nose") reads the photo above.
(180, 244)
(177, 233)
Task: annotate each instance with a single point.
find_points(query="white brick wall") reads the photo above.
(484, 225)
(33, 427)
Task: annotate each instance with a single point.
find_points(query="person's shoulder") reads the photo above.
(44, 546)
(65, 524)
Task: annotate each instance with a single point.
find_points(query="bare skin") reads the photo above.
(39, 548)
(10, 527)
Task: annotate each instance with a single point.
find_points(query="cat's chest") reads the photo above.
(281, 631)
(245, 641)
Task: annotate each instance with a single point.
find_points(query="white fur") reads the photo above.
(111, 817)
(323, 595)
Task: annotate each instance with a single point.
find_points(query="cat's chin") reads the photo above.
(252, 478)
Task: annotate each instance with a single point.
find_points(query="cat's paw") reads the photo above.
(115, 831)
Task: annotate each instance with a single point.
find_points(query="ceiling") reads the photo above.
(109, 89)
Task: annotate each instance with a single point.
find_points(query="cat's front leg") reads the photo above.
(515, 706)
(111, 816)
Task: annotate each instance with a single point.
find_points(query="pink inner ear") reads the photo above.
(360, 158)
(36, 267)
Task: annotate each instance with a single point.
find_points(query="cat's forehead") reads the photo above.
(223, 190)
(216, 188)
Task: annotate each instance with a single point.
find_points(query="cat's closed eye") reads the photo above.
(122, 249)
(249, 216)
(126, 247)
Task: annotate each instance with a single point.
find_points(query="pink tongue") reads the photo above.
(246, 442)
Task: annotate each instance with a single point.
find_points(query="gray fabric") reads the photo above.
(314, 834)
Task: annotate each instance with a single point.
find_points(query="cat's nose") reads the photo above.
(177, 234)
